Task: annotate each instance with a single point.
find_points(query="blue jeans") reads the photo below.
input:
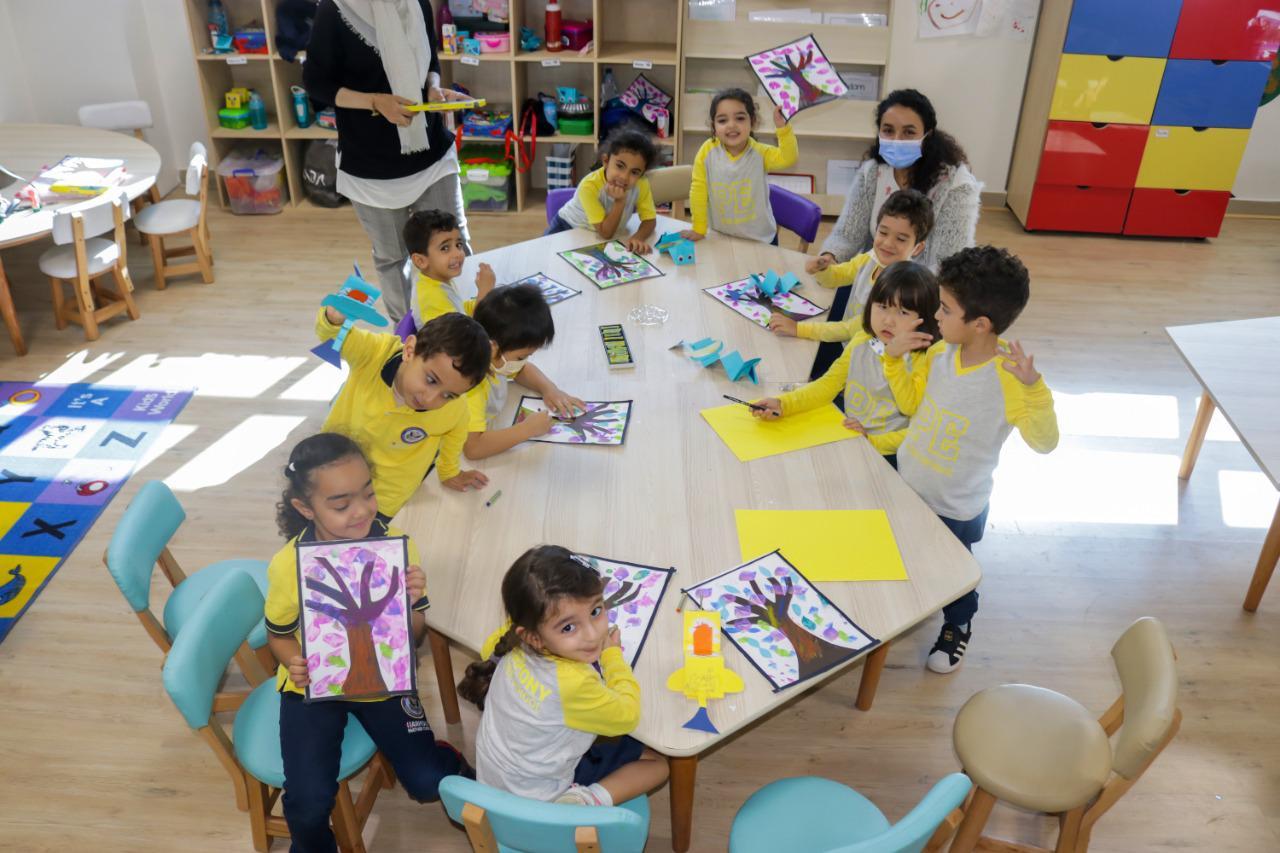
(311, 744)
(963, 609)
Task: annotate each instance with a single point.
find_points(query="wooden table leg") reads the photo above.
(871, 669)
(1204, 414)
(10, 315)
(444, 676)
(684, 772)
(1266, 565)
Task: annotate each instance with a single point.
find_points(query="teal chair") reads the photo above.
(209, 639)
(141, 542)
(497, 820)
(820, 816)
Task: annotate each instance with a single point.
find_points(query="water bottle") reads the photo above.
(218, 26)
(257, 111)
(553, 31)
(608, 87)
(301, 106)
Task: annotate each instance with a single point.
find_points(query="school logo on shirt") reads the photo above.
(412, 435)
(934, 436)
(412, 707)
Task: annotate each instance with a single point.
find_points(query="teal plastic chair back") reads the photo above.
(200, 654)
(910, 834)
(152, 518)
(522, 825)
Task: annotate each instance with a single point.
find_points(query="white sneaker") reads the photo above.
(578, 795)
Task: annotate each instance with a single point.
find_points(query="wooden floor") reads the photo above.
(94, 756)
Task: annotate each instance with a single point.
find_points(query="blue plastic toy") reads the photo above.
(355, 300)
(528, 40)
(678, 248)
(708, 351)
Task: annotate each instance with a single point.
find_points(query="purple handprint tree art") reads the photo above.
(610, 264)
(744, 297)
(797, 75)
(632, 594)
(601, 422)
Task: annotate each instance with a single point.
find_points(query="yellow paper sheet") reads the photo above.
(750, 438)
(825, 545)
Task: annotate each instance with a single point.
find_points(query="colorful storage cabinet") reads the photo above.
(1137, 113)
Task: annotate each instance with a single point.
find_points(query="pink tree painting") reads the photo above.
(797, 75)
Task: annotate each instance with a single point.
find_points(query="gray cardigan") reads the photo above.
(955, 196)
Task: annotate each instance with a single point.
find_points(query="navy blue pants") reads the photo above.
(963, 609)
(605, 756)
(557, 225)
(311, 744)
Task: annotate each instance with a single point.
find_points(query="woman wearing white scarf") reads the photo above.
(370, 59)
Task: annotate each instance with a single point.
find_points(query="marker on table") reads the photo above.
(495, 497)
(756, 406)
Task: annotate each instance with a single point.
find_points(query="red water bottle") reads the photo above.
(554, 39)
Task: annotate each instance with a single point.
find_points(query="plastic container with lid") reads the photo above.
(254, 181)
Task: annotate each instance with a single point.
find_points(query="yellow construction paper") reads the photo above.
(825, 545)
(751, 438)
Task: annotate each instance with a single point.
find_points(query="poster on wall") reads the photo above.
(942, 18)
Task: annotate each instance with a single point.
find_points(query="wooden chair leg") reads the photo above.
(88, 315)
(945, 830)
(346, 826)
(202, 256)
(125, 285)
(1204, 414)
(59, 303)
(871, 669)
(975, 818)
(1069, 830)
(258, 814)
(157, 258)
(10, 315)
(444, 676)
(1266, 565)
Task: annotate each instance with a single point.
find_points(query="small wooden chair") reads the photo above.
(121, 116)
(671, 184)
(81, 258)
(178, 217)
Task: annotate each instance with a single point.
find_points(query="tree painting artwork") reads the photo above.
(748, 300)
(797, 75)
(786, 628)
(632, 594)
(356, 626)
(603, 422)
(552, 290)
(610, 264)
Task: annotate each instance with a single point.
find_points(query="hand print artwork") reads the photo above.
(797, 75)
(788, 629)
(745, 297)
(632, 594)
(603, 422)
(355, 616)
(552, 290)
(610, 264)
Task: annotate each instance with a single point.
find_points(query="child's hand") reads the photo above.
(415, 582)
(692, 235)
(614, 191)
(334, 316)
(538, 423)
(818, 264)
(485, 281)
(779, 120)
(615, 638)
(467, 480)
(563, 405)
(855, 425)
(780, 325)
(1021, 365)
(298, 673)
(772, 409)
(639, 245)
(906, 342)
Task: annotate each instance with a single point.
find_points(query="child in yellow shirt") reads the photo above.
(607, 197)
(438, 250)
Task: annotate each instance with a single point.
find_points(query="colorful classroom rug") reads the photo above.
(65, 450)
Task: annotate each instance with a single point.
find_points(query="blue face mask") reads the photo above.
(900, 153)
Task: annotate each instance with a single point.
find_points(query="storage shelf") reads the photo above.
(842, 45)
(313, 132)
(223, 57)
(272, 131)
(588, 138)
(564, 56)
(483, 57)
(626, 52)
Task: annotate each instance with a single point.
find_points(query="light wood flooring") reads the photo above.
(94, 757)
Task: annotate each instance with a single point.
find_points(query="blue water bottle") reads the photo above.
(257, 112)
(301, 106)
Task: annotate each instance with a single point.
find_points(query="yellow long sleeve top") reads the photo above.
(731, 194)
(431, 298)
(860, 272)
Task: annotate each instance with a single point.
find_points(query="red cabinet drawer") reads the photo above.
(1098, 155)
(1226, 29)
(1176, 213)
(1059, 207)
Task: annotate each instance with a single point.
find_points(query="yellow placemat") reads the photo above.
(825, 545)
(750, 438)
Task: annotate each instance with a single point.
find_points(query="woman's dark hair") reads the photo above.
(911, 286)
(987, 282)
(459, 337)
(422, 225)
(538, 579)
(629, 139)
(913, 206)
(516, 316)
(735, 94)
(313, 452)
(939, 149)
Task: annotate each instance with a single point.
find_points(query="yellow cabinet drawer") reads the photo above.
(1102, 89)
(1183, 158)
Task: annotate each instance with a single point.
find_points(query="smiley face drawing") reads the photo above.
(950, 14)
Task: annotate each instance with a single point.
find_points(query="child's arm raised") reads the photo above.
(608, 708)
(359, 345)
(908, 385)
(838, 275)
(1028, 401)
(786, 152)
(560, 403)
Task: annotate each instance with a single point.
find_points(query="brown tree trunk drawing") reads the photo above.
(624, 594)
(752, 294)
(596, 422)
(609, 267)
(790, 70)
(774, 611)
(364, 676)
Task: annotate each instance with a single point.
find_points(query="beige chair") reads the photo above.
(81, 258)
(121, 116)
(177, 217)
(671, 184)
(1039, 750)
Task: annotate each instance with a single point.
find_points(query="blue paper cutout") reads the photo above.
(355, 300)
(701, 721)
(708, 351)
(678, 248)
(771, 284)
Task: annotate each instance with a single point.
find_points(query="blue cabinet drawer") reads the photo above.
(1202, 93)
(1122, 27)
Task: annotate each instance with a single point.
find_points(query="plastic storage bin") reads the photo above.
(253, 180)
(488, 186)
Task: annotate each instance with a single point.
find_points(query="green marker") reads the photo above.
(495, 497)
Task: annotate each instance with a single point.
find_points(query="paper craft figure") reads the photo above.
(797, 75)
(709, 351)
(355, 300)
(632, 594)
(787, 629)
(356, 628)
(610, 264)
(552, 290)
(746, 297)
(604, 422)
(678, 248)
(771, 284)
(704, 675)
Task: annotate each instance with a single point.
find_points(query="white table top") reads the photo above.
(26, 149)
(1238, 363)
(667, 498)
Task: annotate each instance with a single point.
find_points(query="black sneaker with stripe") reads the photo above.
(948, 651)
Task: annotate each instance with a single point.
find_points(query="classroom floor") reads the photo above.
(1080, 544)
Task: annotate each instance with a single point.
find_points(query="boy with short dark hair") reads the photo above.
(403, 403)
(438, 251)
(965, 395)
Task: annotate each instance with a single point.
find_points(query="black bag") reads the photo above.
(534, 105)
(320, 173)
(293, 26)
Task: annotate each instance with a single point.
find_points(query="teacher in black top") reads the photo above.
(370, 59)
